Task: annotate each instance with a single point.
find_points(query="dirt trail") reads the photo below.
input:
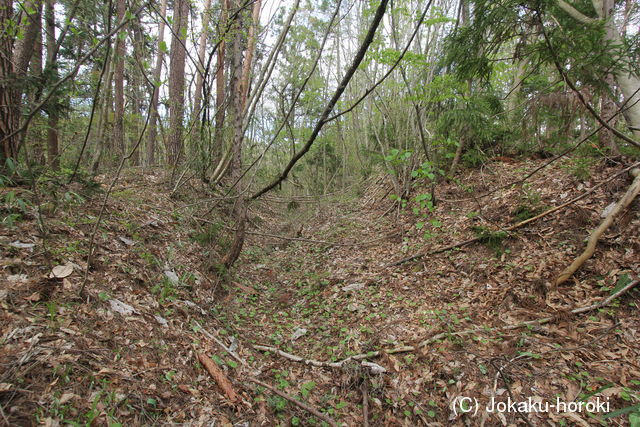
(131, 355)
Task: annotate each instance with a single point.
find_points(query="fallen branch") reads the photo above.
(626, 200)
(518, 225)
(540, 321)
(365, 404)
(298, 403)
(375, 368)
(302, 239)
(219, 377)
(409, 348)
(221, 344)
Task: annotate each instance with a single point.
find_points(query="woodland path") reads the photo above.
(138, 362)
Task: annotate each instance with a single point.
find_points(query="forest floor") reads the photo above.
(421, 335)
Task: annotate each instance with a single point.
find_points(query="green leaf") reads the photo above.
(163, 46)
(635, 409)
(623, 281)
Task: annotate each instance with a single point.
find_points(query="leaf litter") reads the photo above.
(142, 348)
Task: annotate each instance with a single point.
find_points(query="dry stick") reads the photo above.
(518, 225)
(221, 344)
(219, 377)
(322, 242)
(626, 200)
(302, 405)
(339, 364)
(302, 239)
(295, 401)
(409, 348)
(365, 404)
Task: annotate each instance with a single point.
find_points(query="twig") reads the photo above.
(365, 404)
(295, 401)
(221, 344)
(339, 364)
(302, 239)
(506, 384)
(518, 225)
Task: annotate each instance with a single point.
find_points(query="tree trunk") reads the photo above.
(136, 85)
(157, 73)
(220, 87)
(608, 110)
(103, 134)
(202, 45)
(37, 149)
(628, 80)
(53, 157)
(236, 105)
(176, 80)
(24, 46)
(118, 78)
(7, 113)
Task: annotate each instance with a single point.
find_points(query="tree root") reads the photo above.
(626, 200)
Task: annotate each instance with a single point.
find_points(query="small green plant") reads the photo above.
(491, 239)
(165, 290)
(530, 204)
(14, 208)
(209, 235)
(579, 167)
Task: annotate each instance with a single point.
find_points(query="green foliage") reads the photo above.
(492, 239)
(12, 207)
(165, 290)
(209, 235)
(530, 204)
(579, 167)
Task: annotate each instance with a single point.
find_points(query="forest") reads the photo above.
(320, 212)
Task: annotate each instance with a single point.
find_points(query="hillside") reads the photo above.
(320, 314)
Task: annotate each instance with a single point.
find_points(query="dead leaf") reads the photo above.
(34, 297)
(126, 241)
(61, 271)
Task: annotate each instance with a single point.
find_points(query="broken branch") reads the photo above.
(626, 200)
(298, 403)
(219, 377)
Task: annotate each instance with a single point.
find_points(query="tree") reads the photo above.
(53, 156)
(157, 72)
(118, 80)
(177, 80)
(8, 114)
